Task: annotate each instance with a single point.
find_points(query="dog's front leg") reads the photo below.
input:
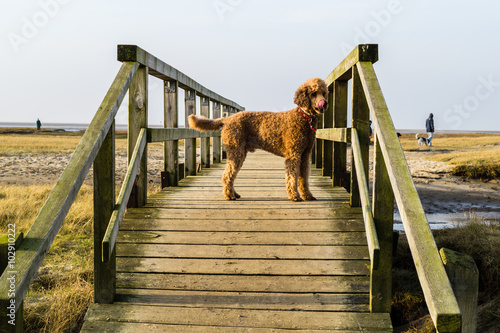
(292, 173)
(305, 170)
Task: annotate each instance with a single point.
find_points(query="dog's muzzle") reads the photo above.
(322, 105)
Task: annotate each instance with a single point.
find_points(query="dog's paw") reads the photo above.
(236, 195)
(309, 198)
(296, 198)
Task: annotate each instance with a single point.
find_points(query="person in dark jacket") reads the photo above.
(38, 124)
(429, 126)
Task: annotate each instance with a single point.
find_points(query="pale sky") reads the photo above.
(59, 56)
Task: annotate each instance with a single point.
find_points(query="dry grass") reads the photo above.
(477, 238)
(59, 296)
(474, 156)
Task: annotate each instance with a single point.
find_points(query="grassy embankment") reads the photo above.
(58, 298)
(474, 156)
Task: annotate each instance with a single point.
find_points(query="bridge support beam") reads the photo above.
(190, 144)
(171, 120)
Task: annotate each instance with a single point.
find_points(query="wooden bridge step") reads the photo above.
(245, 283)
(101, 316)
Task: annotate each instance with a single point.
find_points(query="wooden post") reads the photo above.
(464, 278)
(216, 140)
(104, 204)
(360, 121)
(190, 144)
(339, 121)
(137, 119)
(171, 148)
(383, 216)
(327, 144)
(205, 142)
(319, 146)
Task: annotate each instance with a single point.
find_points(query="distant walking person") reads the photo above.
(38, 124)
(429, 126)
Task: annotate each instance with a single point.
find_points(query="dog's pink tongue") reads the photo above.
(321, 104)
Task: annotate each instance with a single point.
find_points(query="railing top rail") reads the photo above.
(163, 71)
(363, 52)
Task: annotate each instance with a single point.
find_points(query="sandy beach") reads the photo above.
(444, 197)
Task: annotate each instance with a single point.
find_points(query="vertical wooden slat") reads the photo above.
(216, 140)
(383, 216)
(190, 144)
(137, 119)
(104, 203)
(205, 142)
(319, 146)
(360, 121)
(171, 120)
(327, 144)
(340, 90)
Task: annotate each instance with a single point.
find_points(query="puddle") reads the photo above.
(451, 220)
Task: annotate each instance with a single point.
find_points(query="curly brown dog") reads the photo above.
(289, 134)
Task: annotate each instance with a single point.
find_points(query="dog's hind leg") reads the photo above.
(305, 170)
(292, 165)
(235, 159)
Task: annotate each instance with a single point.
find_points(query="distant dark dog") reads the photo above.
(421, 140)
(289, 134)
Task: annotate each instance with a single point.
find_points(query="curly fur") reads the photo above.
(287, 134)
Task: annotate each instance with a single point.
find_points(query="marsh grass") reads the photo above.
(475, 156)
(477, 238)
(62, 291)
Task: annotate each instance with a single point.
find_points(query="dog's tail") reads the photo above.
(204, 124)
(417, 135)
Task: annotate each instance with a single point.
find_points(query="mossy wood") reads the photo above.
(205, 142)
(163, 71)
(437, 290)
(45, 227)
(108, 242)
(364, 195)
(171, 119)
(169, 134)
(189, 144)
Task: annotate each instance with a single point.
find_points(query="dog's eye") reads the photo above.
(314, 94)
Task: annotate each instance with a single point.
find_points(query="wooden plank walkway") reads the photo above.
(192, 262)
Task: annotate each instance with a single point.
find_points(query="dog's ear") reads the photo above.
(302, 98)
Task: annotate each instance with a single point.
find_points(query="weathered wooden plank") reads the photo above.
(137, 120)
(246, 283)
(437, 290)
(205, 142)
(311, 320)
(238, 214)
(334, 134)
(104, 203)
(340, 92)
(105, 326)
(364, 196)
(171, 119)
(343, 252)
(217, 144)
(163, 71)
(245, 300)
(109, 239)
(383, 216)
(243, 267)
(189, 144)
(169, 134)
(44, 229)
(363, 52)
(243, 238)
(242, 225)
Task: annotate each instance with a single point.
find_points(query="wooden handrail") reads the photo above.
(108, 243)
(371, 233)
(44, 229)
(437, 290)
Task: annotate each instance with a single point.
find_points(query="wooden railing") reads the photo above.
(391, 180)
(97, 148)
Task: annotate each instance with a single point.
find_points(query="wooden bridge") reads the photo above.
(185, 260)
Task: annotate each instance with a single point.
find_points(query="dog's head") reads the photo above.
(312, 96)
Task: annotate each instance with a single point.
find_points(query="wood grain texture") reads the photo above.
(190, 259)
